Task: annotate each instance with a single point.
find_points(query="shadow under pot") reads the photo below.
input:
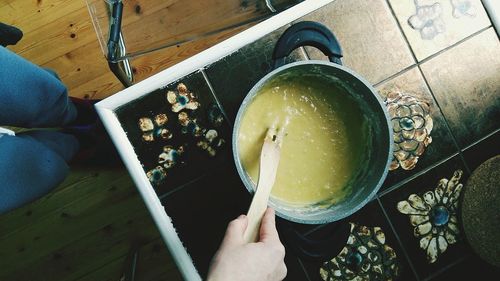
(338, 138)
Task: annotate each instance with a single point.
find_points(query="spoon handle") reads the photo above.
(269, 160)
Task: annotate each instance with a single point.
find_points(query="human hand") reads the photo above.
(237, 260)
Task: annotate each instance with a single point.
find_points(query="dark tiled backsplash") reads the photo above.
(233, 76)
(453, 95)
(191, 137)
(417, 196)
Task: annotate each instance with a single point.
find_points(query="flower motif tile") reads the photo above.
(370, 252)
(154, 130)
(424, 214)
(371, 41)
(465, 81)
(412, 127)
(463, 8)
(421, 137)
(432, 25)
(434, 215)
(366, 256)
(176, 131)
(428, 20)
(181, 98)
(233, 76)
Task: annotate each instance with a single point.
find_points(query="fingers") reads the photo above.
(235, 230)
(268, 232)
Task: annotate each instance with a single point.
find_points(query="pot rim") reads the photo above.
(251, 94)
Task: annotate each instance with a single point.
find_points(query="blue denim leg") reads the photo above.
(31, 96)
(28, 170)
(64, 145)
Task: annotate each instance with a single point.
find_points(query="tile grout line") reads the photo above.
(401, 72)
(419, 63)
(182, 186)
(453, 45)
(412, 177)
(415, 60)
(303, 269)
(445, 119)
(316, 228)
(398, 240)
(445, 268)
(219, 104)
(438, 52)
(481, 139)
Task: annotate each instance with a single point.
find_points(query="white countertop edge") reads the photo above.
(106, 108)
(148, 194)
(493, 9)
(211, 55)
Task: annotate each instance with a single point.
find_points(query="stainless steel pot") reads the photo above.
(372, 173)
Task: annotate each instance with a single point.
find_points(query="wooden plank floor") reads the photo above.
(85, 228)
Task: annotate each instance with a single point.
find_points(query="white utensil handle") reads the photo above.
(256, 212)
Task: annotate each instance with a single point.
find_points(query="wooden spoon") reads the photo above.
(269, 160)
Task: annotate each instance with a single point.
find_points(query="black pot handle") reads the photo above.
(314, 249)
(307, 33)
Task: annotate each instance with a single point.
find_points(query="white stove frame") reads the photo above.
(106, 109)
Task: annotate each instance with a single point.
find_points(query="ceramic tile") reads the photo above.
(433, 25)
(482, 151)
(177, 132)
(471, 268)
(295, 271)
(465, 81)
(201, 211)
(434, 196)
(233, 76)
(206, 207)
(371, 41)
(370, 216)
(427, 140)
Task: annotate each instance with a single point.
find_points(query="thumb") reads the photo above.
(235, 230)
(268, 230)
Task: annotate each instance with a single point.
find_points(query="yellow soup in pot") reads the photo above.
(323, 144)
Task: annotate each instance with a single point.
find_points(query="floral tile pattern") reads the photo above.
(371, 251)
(176, 131)
(246, 66)
(434, 215)
(365, 257)
(432, 25)
(428, 20)
(465, 81)
(424, 213)
(412, 126)
(372, 44)
(410, 232)
(424, 139)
